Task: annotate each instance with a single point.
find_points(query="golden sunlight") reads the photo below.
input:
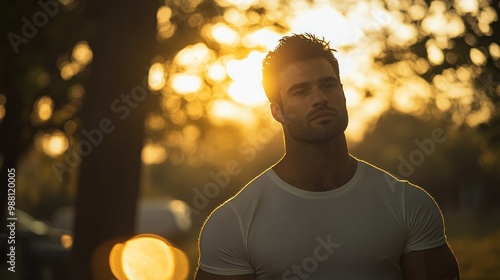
(246, 87)
(265, 37)
(442, 23)
(82, 53)
(241, 4)
(467, 6)
(44, 107)
(324, 20)
(355, 31)
(69, 69)
(54, 144)
(448, 83)
(153, 153)
(480, 116)
(235, 17)
(224, 34)
(156, 76)
(356, 57)
(494, 50)
(181, 213)
(411, 95)
(66, 241)
(434, 54)
(223, 111)
(485, 19)
(163, 15)
(417, 11)
(164, 26)
(81, 56)
(186, 83)
(148, 257)
(477, 57)
(217, 72)
(193, 55)
(435, 21)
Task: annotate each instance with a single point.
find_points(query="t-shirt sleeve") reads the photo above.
(222, 246)
(424, 221)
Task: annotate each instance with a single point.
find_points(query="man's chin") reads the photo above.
(317, 137)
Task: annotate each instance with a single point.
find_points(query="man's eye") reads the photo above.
(300, 92)
(328, 85)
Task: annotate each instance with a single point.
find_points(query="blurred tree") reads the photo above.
(34, 97)
(117, 100)
(455, 48)
(44, 78)
(195, 108)
(407, 149)
(431, 58)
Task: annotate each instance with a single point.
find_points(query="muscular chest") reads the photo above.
(302, 241)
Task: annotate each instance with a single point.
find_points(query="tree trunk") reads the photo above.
(116, 102)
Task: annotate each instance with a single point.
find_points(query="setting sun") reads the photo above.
(355, 31)
(246, 86)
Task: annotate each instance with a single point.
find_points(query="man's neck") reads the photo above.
(316, 166)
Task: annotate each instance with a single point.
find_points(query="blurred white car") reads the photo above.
(45, 249)
(165, 217)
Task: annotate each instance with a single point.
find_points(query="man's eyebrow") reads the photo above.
(328, 79)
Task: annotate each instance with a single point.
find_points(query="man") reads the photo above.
(320, 213)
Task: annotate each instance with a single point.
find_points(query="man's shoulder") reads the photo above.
(372, 172)
(254, 186)
(388, 181)
(249, 193)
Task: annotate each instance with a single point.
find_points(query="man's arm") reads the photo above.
(203, 275)
(432, 264)
(222, 248)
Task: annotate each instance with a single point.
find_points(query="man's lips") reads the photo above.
(324, 114)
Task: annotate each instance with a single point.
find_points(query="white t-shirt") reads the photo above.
(357, 231)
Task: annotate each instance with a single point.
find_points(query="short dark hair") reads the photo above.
(291, 49)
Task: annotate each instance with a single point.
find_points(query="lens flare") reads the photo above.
(148, 257)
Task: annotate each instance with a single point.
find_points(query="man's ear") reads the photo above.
(277, 113)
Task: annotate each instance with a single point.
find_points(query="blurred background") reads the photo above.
(129, 117)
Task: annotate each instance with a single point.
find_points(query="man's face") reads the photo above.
(313, 103)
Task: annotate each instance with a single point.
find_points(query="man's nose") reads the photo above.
(318, 96)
